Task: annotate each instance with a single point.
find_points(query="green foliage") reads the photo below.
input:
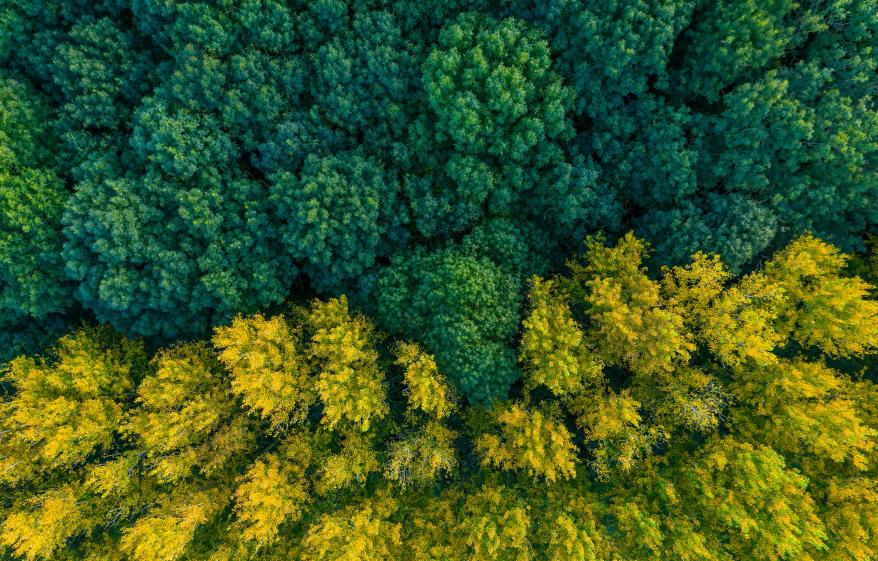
(459, 305)
(342, 215)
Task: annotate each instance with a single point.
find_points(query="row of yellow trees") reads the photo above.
(695, 416)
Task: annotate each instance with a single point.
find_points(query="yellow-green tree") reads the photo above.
(530, 440)
(41, 526)
(423, 456)
(186, 415)
(426, 388)
(553, 349)
(496, 525)
(66, 408)
(349, 382)
(268, 366)
(800, 408)
(823, 307)
(570, 529)
(360, 532)
(615, 430)
(272, 491)
(750, 504)
(632, 324)
(167, 531)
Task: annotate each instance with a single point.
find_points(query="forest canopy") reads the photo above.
(504, 280)
(699, 414)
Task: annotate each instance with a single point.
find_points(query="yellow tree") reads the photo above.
(39, 528)
(426, 388)
(427, 449)
(360, 532)
(695, 287)
(553, 350)
(850, 512)
(530, 440)
(419, 458)
(495, 526)
(737, 322)
(800, 408)
(166, 533)
(824, 308)
(569, 528)
(66, 408)
(614, 428)
(632, 324)
(349, 383)
(749, 504)
(273, 491)
(268, 367)
(186, 414)
(350, 465)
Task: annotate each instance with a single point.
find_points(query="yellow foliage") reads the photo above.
(183, 405)
(357, 533)
(430, 527)
(695, 287)
(165, 534)
(612, 423)
(530, 441)
(800, 407)
(426, 388)
(851, 517)
(269, 494)
(420, 458)
(741, 325)
(65, 409)
(496, 526)
(111, 479)
(745, 497)
(632, 324)
(349, 382)
(352, 465)
(568, 529)
(269, 371)
(40, 530)
(553, 349)
(823, 308)
(688, 399)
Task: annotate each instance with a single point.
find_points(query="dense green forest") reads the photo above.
(453, 280)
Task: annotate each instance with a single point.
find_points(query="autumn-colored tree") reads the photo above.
(359, 532)
(553, 348)
(349, 383)
(68, 407)
(269, 367)
(530, 440)
(185, 417)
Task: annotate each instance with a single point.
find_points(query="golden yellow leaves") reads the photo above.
(553, 347)
(36, 533)
(532, 441)
(66, 408)
(266, 498)
(824, 308)
(631, 322)
(269, 370)
(357, 533)
(165, 534)
(427, 389)
(495, 526)
(348, 381)
(184, 413)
